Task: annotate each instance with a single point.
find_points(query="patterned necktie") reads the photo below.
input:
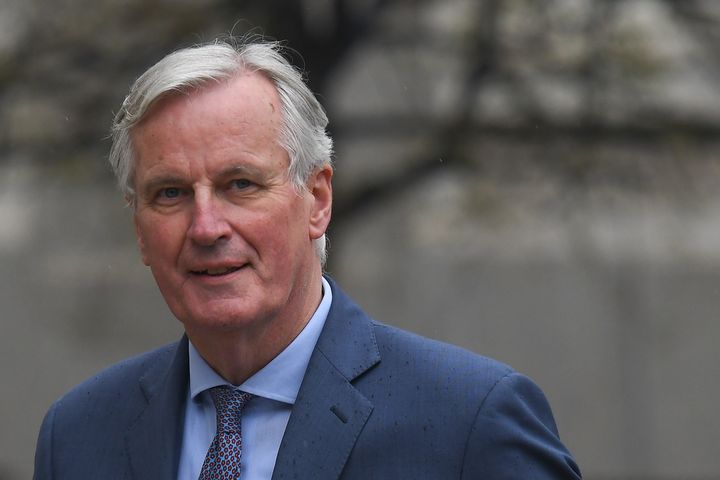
(222, 461)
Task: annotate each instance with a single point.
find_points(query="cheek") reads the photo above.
(275, 238)
(161, 239)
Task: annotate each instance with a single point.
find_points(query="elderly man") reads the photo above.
(222, 152)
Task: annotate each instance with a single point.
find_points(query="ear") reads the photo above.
(320, 188)
(140, 241)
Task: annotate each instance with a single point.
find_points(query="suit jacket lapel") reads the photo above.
(153, 442)
(329, 412)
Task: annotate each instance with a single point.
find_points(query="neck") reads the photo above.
(238, 354)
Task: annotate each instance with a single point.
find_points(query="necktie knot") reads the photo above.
(229, 403)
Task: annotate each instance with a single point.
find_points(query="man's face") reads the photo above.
(226, 235)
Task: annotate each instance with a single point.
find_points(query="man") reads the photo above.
(222, 152)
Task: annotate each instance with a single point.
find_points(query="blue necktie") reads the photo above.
(222, 461)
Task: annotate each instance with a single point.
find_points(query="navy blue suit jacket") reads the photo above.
(376, 403)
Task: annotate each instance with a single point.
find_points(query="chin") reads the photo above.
(221, 317)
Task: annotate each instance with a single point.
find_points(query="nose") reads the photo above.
(209, 224)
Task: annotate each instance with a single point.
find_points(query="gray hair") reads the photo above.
(303, 132)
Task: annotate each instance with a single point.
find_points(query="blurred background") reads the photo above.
(535, 180)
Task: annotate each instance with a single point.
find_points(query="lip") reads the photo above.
(216, 273)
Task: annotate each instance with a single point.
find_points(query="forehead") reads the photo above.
(197, 135)
(246, 104)
(228, 121)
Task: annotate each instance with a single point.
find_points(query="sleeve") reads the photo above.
(43, 450)
(514, 436)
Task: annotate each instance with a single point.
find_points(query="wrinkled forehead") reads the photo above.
(227, 122)
(253, 92)
(243, 110)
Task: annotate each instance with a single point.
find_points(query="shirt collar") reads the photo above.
(281, 378)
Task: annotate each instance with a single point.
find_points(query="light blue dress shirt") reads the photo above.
(265, 417)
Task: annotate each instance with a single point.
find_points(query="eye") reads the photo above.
(170, 192)
(241, 183)
(170, 195)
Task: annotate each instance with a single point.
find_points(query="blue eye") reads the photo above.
(241, 183)
(171, 192)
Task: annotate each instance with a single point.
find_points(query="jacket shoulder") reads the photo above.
(437, 359)
(506, 422)
(89, 420)
(117, 383)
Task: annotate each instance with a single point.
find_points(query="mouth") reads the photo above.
(216, 272)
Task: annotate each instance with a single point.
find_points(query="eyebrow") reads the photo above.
(235, 170)
(148, 189)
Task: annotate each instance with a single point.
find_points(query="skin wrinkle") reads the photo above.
(200, 145)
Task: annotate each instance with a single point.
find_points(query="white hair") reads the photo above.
(303, 132)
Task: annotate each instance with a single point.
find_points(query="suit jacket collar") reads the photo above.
(154, 440)
(327, 418)
(330, 412)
